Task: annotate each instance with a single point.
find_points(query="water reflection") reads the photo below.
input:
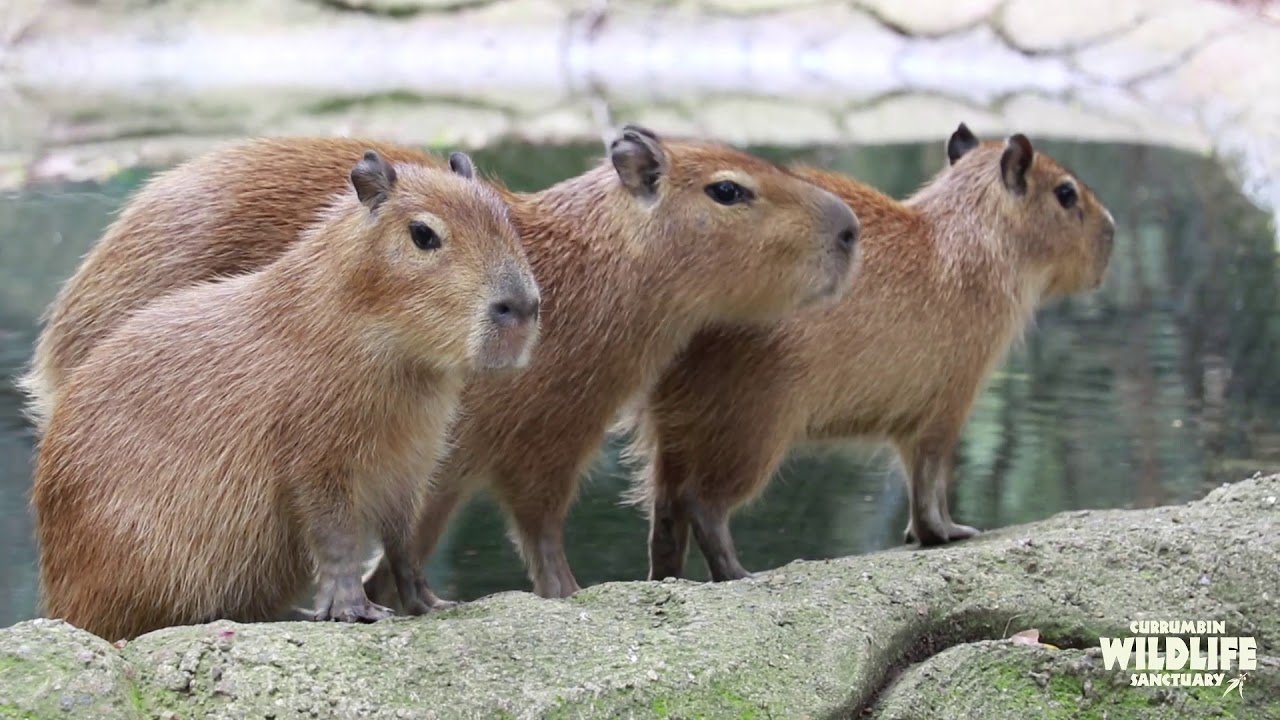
(1151, 390)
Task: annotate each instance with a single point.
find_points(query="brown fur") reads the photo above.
(226, 441)
(633, 257)
(626, 281)
(949, 279)
(201, 220)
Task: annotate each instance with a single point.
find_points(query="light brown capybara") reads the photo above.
(949, 279)
(223, 213)
(633, 260)
(633, 257)
(229, 442)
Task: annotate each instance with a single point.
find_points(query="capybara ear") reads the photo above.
(373, 179)
(962, 141)
(639, 160)
(461, 164)
(1015, 162)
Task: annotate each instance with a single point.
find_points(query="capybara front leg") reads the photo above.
(930, 520)
(340, 595)
(668, 519)
(668, 538)
(711, 531)
(541, 540)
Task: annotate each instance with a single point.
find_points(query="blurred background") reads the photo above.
(1152, 390)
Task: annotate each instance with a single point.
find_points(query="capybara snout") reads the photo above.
(515, 298)
(510, 328)
(840, 233)
(1102, 249)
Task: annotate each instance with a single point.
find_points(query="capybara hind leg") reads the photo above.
(668, 518)
(411, 583)
(382, 585)
(711, 530)
(340, 596)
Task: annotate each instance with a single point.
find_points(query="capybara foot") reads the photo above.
(357, 611)
(381, 587)
(556, 588)
(942, 534)
(426, 601)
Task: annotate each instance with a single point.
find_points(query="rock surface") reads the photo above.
(899, 634)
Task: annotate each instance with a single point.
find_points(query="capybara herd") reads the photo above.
(288, 353)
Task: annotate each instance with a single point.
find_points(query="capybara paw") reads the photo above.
(365, 612)
(556, 590)
(940, 534)
(733, 573)
(427, 601)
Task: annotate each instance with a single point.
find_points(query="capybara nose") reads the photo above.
(843, 224)
(512, 310)
(847, 239)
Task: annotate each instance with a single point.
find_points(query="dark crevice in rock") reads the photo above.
(961, 628)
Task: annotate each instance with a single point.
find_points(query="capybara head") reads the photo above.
(447, 272)
(755, 240)
(1059, 228)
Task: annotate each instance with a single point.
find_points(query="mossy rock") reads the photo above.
(898, 634)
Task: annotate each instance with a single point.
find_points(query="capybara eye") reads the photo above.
(728, 192)
(1066, 195)
(423, 236)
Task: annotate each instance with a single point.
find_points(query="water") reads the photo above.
(1149, 391)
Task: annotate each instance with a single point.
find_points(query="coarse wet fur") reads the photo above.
(950, 278)
(633, 257)
(231, 441)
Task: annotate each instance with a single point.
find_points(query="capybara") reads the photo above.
(229, 442)
(949, 279)
(223, 213)
(633, 257)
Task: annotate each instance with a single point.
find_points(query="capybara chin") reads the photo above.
(948, 280)
(231, 441)
(633, 258)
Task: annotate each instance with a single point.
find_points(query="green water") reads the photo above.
(1151, 390)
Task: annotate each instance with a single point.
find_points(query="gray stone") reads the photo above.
(810, 639)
